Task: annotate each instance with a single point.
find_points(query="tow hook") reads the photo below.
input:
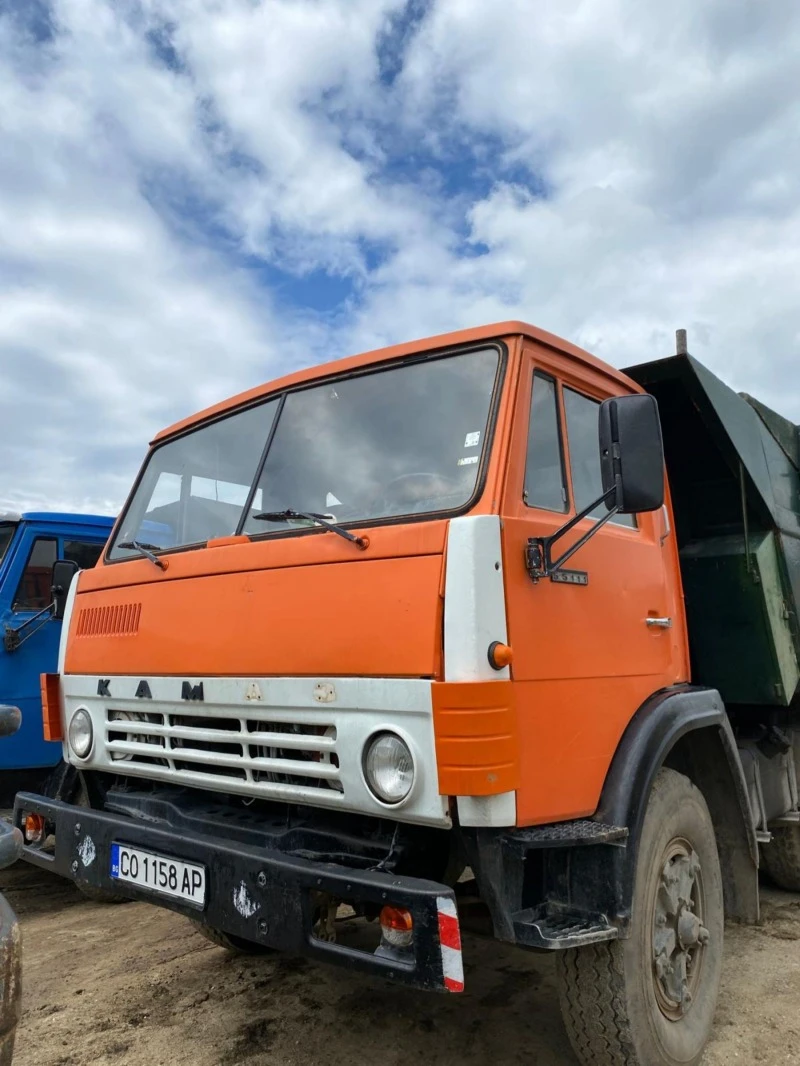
(325, 925)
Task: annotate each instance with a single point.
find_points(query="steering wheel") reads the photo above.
(388, 497)
(419, 473)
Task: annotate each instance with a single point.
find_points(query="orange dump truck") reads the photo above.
(419, 638)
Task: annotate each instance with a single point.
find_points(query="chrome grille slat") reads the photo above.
(255, 712)
(213, 758)
(256, 738)
(264, 789)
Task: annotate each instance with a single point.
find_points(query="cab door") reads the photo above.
(26, 595)
(30, 646)
(586, 655)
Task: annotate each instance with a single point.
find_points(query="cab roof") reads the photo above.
(66, 519)
(493, 331)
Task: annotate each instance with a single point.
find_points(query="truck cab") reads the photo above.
(406, 634)
(30, 544)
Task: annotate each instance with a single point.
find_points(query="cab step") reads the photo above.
(566, 835)
(551, 928)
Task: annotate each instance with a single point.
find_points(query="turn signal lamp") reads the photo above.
(34, 829)
(51, 706)
(397, 927)
(500, 655)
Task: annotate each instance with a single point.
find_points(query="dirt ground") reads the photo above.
(128, 985)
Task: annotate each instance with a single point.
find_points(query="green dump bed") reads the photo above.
(734, 474)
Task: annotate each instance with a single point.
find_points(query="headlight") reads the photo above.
(81, 733)
(388, 767)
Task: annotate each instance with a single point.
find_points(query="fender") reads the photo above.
(687, 729)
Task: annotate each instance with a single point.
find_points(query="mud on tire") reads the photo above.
(781, 857)
(621, 1005)
(101, 895)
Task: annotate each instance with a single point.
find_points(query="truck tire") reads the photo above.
(649, 1000)
(236, 945)
(101, 895)
(781, 857)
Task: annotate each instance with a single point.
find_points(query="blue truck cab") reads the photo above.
(29, 636)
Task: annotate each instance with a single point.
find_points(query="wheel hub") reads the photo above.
(679, 936)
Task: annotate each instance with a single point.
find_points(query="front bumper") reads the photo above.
(258, 894)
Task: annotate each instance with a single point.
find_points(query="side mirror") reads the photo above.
(632, 453)
(10, 720)
(64, 572)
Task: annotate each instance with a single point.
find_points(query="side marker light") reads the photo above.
(499, 655)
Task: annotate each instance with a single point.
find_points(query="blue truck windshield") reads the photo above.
(7, 530)
(398, 441)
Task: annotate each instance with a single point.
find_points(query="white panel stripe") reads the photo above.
(452, 964)
(474, 605)
(446, 906)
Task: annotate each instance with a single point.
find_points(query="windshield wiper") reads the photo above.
(146, 550)
(312, 516)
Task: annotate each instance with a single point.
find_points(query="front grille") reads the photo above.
(271, 753)
(121, 620)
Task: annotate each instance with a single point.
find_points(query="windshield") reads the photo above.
(406, 440)
(6, 534)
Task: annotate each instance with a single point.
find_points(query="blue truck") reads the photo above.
(29, 636)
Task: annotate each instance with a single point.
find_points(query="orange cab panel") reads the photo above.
(371, 617)
(477, 746)
(585, 657)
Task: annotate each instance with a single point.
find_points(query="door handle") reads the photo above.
(659, 623)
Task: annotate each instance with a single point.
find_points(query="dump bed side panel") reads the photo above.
(736, 491)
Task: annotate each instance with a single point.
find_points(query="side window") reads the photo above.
(545, 483)
(33, 592)
(584, 453)
(82, 552)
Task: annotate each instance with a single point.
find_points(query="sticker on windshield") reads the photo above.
(472, 440)
(468, 460)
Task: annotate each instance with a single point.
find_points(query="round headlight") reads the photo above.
(81, 733)
(388, 767)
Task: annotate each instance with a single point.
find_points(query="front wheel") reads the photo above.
(101, 895)
(649, 1000)
(236, 945)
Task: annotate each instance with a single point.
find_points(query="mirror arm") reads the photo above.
(539, 551)
(12, 638)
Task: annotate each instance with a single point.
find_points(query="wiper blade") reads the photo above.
(146, 550)
(312, 516)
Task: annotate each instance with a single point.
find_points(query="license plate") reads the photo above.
(159, 873)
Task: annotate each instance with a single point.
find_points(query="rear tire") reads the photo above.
(625, 1002)
(781, 857)
(236, 945)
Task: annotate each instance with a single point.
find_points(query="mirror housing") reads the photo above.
(631, 453)
(64, 572)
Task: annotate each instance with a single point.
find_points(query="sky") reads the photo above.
(199, 195)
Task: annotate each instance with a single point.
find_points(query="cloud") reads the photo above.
(666, 146)
(196, 196)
